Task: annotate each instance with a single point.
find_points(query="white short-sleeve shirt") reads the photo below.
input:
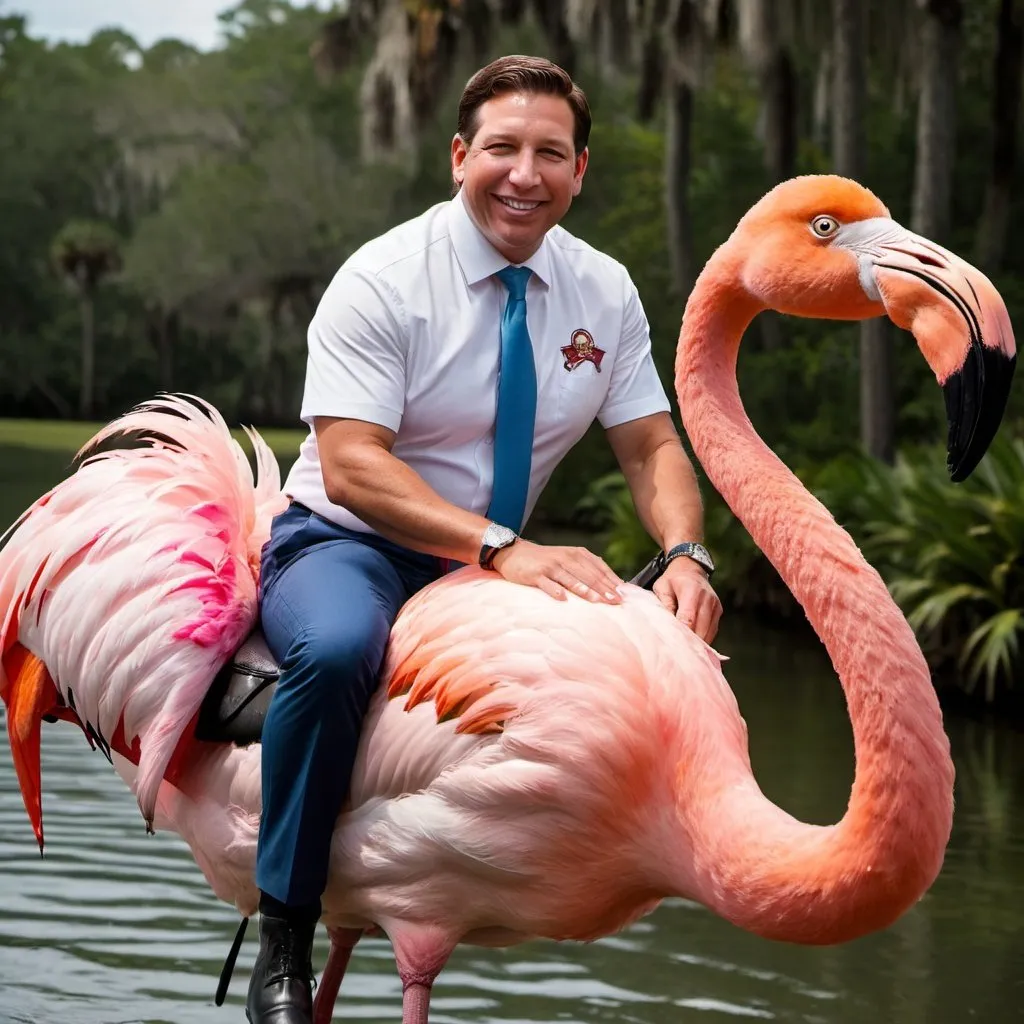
(407, 336)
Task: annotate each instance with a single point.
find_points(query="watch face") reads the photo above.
(702, 557)
(697, 553)
(498, 536)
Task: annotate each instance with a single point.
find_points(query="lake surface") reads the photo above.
(114, 926)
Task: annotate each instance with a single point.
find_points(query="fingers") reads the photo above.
(716, 617)
(667, 596)
(702, 620)
(560, 571)
(696, 606)
(573, 584)
(595, 575)
(551, 588)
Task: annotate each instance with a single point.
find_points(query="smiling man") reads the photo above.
(453, 362)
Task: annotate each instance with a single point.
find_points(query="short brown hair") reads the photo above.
(523, 74)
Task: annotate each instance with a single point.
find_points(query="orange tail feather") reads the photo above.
(30, 695)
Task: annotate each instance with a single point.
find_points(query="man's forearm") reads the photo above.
(666, 495)
(398, 503)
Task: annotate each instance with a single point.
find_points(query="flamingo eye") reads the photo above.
(824, 226)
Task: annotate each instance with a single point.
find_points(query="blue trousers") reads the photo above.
(328, 599)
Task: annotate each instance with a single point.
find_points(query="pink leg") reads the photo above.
(420, 952)
(342, 942)
(416, 1002)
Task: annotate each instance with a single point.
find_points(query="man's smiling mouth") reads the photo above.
(518, 204)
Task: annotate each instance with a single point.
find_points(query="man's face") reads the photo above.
(520, 173)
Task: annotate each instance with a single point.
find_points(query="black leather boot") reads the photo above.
(280, 990)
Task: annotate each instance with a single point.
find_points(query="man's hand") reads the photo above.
(559, 571)
(685, 591)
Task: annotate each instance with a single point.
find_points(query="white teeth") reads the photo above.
(517, 204)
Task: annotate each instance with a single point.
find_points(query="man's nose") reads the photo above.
(524, 172)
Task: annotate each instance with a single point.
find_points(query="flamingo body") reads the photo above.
(552, 825)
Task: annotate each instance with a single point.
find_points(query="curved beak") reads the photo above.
(958, 319)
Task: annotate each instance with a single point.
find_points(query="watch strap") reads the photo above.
(495, 539)
(687, 550)
(487, 554)
(653, 570)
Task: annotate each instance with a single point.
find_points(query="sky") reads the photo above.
(194, 21)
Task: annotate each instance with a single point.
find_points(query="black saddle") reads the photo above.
(235, 706)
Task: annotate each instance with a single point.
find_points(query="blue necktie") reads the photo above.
(517, 406)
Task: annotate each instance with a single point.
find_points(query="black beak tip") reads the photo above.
(975, 401)
(959, 471)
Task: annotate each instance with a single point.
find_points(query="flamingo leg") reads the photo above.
(416, 1002)
(343, 941)
(420, 953)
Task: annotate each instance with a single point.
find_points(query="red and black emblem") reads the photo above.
(582, 350)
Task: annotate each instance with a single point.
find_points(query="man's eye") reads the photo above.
(498, 146)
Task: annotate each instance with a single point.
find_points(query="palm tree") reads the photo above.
(84, 253)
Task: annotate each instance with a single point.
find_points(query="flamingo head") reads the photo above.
(824, 246)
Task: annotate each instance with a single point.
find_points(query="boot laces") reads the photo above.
(287, 962)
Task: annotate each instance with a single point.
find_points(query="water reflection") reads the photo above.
(114, 926)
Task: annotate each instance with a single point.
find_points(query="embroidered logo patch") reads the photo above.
(580, 350)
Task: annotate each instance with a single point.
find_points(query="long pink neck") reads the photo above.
(753, 863)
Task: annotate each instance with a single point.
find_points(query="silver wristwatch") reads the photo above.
(694, 551)
(495, 538)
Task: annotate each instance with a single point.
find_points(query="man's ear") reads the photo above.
(582, 159)
(459, 153)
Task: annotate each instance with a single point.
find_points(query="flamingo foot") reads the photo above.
(343, 941)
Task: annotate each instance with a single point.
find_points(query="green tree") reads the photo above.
(85, 253)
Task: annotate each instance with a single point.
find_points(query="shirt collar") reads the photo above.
(478, 258)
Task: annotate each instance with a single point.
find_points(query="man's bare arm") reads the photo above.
(660, 478)
(361, 474)
(667, 499)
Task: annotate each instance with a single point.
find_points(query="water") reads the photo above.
(115, 926)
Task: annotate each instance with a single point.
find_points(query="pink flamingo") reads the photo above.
(529, 768)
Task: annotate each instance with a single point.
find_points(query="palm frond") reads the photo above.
(992, 649)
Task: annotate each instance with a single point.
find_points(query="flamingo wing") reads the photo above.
(135, 579)
(483, 659)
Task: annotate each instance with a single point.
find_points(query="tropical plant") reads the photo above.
(953, 556)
